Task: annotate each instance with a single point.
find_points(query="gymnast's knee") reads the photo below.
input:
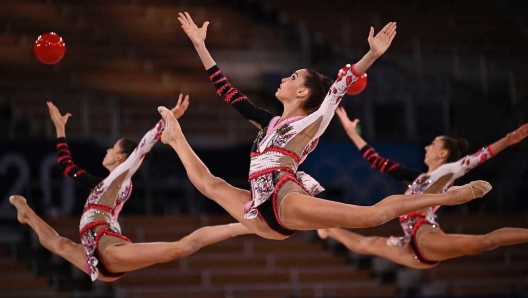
(375, 216)
(62, 245)
(486, 243)
(211, 185)
(365, 245)
(183, 248)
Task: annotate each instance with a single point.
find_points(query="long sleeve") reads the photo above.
(70, 169)
(388, 166)
(327, 109)
(132, 163)
(238, 100)
(467, 163)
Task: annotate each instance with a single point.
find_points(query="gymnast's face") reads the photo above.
(435, 151)
(114, 156)
(292, 88)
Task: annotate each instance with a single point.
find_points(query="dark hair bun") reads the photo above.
(462, 144)
(318, 85)
(327, 83)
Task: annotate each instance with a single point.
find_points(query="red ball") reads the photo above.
(49, 48)
(358, 85)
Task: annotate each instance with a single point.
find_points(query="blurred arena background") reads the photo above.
(456, 67)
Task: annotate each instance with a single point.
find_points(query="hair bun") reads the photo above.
(327, 83)
(462, 144)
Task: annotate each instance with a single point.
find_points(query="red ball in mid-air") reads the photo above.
(49, 48)
(358, 86)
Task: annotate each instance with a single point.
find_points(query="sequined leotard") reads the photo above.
(101, 210)
(436, 181)
(280, 147)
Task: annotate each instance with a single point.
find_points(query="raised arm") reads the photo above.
(132, 163)
(377, 161)
(350, 128)
(66, 164)
(257, 116)
(378, 45)
(510, 139)
(154, 134)
(197, 37)
(70, 169)
(469, 162)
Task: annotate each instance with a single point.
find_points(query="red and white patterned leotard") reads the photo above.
(441, 179)
(281, 146)
(97, 214)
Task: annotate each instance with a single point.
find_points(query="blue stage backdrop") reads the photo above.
(339, 167)
(31, 169)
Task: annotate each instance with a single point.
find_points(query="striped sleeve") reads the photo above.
(386, 165)
(238, 100)
(70, 169)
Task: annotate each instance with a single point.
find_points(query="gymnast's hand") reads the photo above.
(518, 135)
(348, 125)
(197, 35)
(381, 42)
(58, 120)
(180, 107)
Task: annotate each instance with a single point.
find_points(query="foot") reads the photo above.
(22, 207)
(468, 192)
(323, 234)
(172, 127)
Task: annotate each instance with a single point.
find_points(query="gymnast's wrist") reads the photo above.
(60, 133)
(200, 45)
(373, 55)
